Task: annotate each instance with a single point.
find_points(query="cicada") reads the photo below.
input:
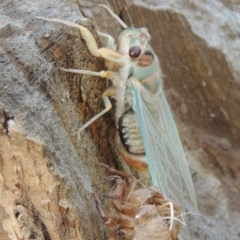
(147, 137)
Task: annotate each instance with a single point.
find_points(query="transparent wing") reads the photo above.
(166, 159)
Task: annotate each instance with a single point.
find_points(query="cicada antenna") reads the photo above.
(123, 25)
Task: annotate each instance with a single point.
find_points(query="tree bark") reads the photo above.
(46, 174)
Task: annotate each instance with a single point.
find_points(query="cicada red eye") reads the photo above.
(134, 52)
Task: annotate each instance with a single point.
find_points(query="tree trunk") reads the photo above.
(46, 174)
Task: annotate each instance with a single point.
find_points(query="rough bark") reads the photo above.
(46, 175)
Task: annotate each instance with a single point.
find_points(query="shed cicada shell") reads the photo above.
(140, 212)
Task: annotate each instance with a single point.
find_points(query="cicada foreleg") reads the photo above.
(105, 53)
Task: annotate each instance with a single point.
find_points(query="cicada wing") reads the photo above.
(165, 155)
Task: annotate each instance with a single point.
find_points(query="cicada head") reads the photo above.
(133, 44)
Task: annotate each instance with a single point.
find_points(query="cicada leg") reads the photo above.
(115, 171)
(105, 53)
(114, 76)
(108, 105)
(110, 39)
